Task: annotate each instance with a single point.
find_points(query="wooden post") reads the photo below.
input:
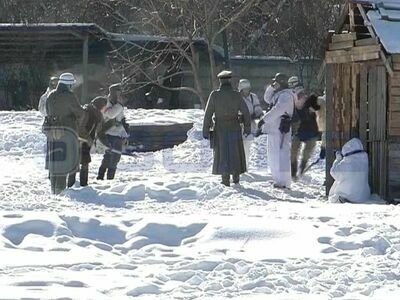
(363, 104)
(330, 125)
(382, 118)
(351, 17)
(85, 56)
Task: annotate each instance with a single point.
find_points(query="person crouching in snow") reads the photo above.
(277, 124)
(90, 122)
(114, 131)
(225, 104)
(255, 110)
(350, 171)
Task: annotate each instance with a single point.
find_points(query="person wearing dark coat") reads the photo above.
(305, 131)
(89, 124)
(225, 104)
(63, 114)
(115, 132)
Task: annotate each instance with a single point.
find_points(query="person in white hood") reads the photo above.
(115, 132)
(282, 100)
(255, 110)
(350, 171)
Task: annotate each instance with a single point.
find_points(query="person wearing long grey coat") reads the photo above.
(63, 113)
(225, 104)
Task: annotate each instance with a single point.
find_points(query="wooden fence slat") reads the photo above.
(344, 37)
(341, 45)
(396, 58)
(363, 104)
(395, 91)
(329, 78)
(368, 41)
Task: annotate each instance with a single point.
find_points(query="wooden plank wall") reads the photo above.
(382, 129)
(394, 170)
(394, 98)
(343, 106)
(394, 132)
(377, 140)
(359, 109)
(346, 103)
(363, 105)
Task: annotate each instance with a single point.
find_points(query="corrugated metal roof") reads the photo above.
(385, 20)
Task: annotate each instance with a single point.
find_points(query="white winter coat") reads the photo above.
(115, 111)
(351, 174)
(254, 106)
(279, 157)
(42, 102)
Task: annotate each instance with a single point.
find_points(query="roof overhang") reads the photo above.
(46, 42)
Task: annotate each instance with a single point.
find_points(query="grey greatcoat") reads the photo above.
(225, 104)
(63, 113)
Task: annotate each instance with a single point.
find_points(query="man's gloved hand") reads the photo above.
(206, 136)
(260, 123)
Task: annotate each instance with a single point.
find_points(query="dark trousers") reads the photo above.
(111, 158)
(308, 149)
(84, 169)
(59, 182)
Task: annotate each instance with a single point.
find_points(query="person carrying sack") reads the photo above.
(90, 122)
(277, 124)
(113, 131)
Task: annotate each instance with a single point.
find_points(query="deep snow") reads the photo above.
(166, 228)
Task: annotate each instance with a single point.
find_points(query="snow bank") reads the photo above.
(164, 257)
(167, 229)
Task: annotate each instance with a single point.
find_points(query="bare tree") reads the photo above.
(181, 24)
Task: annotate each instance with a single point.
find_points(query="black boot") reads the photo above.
(294, 170)
(302, 166)
(83, 175)
(111, 174)
(100, 175)
(322, 154)
(225, 179)
(71, 179)
(235, 178)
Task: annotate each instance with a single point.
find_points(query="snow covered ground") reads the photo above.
(166, 228)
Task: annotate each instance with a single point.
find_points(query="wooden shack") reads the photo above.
(89, 52)
(362, 74)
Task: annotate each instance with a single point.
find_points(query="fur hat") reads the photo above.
(244, 84)
(226, 74)
(67, 78)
